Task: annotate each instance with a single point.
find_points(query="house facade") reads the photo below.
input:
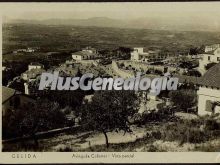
(138, 54)
(87, 53)
(209, 92)
(12, 100)
(211, 55)
(35, 65)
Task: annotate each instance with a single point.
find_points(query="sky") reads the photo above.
(204, 11)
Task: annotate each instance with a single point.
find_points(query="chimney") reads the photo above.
(26, 90)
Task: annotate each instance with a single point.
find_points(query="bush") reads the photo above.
(193, 73)
(158, 72)
(211, 124)
(152, 148)
(195, 136)
(156, 135)
(183, 132)
(183, 98)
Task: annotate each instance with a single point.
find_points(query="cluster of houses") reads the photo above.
(138, 54)
(87, 53)
(209, 83)
(34, 69)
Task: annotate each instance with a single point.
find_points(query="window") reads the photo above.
(218, 58)
(208, 106)
(209, 58)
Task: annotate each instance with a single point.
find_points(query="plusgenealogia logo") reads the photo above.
(86, 82)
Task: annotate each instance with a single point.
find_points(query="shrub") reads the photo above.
(211, 124)
(195, 136)
(183, 132)
(183, 99)
(152, 148)
(157, 135)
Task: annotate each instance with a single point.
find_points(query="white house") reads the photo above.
(138, 54)
(211, 47)
(212, 56)
(87, 53)
(35, 65)
(209, 92)
(90, 49)
(28, 50)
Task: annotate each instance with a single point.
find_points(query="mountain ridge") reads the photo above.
(140, 23)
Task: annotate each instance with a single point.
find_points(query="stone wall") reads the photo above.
(143, 66)
(121, 72)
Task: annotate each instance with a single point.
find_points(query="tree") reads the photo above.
(183, 98)
(193, 73)
(32, 118)
(70, 98)
(193, 51)
(110, 111)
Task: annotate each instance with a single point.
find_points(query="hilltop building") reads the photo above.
(35, 65)
(138, 54)
(87, 53)
(209, 92)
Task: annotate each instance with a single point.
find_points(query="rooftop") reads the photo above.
(211, 52)
(34, 72)
(7, 93)
(212, 77)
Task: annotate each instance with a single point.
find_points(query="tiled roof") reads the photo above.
(212, 77)
(7, 93)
